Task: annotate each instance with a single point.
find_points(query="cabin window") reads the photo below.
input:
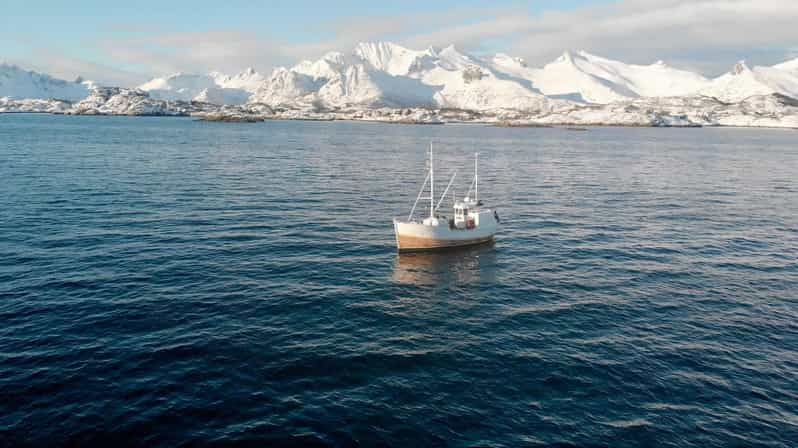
(465, 211)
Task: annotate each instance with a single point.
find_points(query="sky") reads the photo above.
(127, 43)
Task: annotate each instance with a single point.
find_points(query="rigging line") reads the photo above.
(470, 189)
(418, 198)
(446, 190)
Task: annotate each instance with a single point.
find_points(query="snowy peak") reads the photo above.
(385, 56)
(392, 58)
(572, 76)
(248, 80)
(451, 58)
(178, 83)
(509, 61)
(743, 82)
(323, 69)
(385, 74)
(578, 58)
(360, 85)
(215, 87)
(739, 68)
(789, 66)
(18, 83)
(178, 86)
(285, 87)
(597, 79)
(335, 58)
(565, 57)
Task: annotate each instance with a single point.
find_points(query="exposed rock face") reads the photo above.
(8, 105)
(121, 101)
(756, 111)
(773, 110)
(246, 113)
(739, 68)
(472, 73)
(767, 111)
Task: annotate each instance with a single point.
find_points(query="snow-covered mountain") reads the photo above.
(742, 82)
(588, 78)
(789, 66)
(17, 83)
(178, 86)
(385, 74)
(393, 59)
(467, 82)
(249, 80)
(386, 81)
(215, 87)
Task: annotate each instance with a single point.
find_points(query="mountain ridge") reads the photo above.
(387, 74)
(18, 83)
(380, 79)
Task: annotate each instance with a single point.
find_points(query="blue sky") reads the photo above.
(128, 42)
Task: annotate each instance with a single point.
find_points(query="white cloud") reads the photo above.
(171, 52)
(642, 31)
(69, 68)
(707, 35)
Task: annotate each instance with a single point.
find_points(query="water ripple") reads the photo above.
(165, 282)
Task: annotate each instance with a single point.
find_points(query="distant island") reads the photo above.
(389, 83)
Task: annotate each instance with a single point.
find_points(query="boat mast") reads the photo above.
(476, 178)
(431, 184)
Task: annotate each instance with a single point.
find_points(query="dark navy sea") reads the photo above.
(171, 282)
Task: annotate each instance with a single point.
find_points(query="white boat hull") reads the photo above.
(415, 236)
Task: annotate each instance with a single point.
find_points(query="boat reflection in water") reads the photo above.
(452, 267)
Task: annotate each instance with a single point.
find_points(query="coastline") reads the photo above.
(570, 126)
(761, 111)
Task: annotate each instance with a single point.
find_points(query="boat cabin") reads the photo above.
(464, 217)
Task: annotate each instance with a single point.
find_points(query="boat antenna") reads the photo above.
(431, 183)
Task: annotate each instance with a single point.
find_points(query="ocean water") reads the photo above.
(167, 282)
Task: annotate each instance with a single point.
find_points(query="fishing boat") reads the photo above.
(470, 223)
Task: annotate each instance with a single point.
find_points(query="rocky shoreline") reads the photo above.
(772, 110)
